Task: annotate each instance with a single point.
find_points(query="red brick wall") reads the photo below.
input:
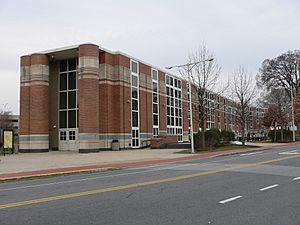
(24, 101)
(145, 101)
(39, 109)
(122, 60)
(149, 112)
(107, 58)
(88, 105)
(88, 94)
(24, 110)
(119, 110)
(39, 94)
(145, 69)
(103, 113)
(159, 142)
(89, 50)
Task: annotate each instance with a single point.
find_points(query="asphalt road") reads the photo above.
(255, 188)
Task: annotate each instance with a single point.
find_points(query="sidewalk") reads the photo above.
(65, 162)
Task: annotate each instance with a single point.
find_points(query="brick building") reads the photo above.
(83, 97)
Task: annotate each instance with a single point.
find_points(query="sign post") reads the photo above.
(8, 140)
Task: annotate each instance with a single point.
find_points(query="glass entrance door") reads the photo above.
(68, 139)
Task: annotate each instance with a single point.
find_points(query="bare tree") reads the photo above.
(5, 118)
(280, 72)
(243, 93)
(204, 72)
(278, 107)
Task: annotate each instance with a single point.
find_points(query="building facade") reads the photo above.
(83, 97)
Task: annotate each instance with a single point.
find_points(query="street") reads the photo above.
(253, 189)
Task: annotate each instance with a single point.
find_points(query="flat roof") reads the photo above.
(71, 47)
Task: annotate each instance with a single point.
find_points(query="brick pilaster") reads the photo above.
(34, 119)
(88, 98)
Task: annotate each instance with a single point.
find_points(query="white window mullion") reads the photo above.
(135, 131)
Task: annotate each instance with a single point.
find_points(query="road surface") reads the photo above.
(253, 188)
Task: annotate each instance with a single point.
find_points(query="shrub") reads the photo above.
(217, 131)
(227, 136)
(212, 139)
(287, 135)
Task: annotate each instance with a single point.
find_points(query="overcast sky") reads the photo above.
(162, 33)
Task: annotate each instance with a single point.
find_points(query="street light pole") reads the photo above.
(191, 112)
(293, 115)
(189, 67)
(292, 99)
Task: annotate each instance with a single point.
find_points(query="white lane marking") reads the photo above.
(132, 173)
(296, 178)
(250, 153)
(230, 199)
(293, 152)
(269, 187)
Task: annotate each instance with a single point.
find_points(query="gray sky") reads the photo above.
(238, 32)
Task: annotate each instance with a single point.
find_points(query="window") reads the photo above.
(63, 135)
(174, 107)
(134, 81)
(63, 100)
(135, 139)
(134, 67)
(134, 93)
(154, 75)
(72, 81)
(68, 109)
(155, 102)
(210, 110)
(63, 119)
(63, 82)
(72, 118)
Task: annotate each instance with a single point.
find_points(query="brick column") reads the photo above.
(88, 98)
(34, 119)
(24, 102)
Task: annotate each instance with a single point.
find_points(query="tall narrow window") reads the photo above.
(210, 110)
(135, 134)
(68, 110)
(174, 106)
(155, 102)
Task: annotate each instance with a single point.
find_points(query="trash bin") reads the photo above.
(115, 145)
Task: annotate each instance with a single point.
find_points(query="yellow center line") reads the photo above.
(135, 185)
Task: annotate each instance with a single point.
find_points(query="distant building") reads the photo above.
(10, 122)
(83, 97)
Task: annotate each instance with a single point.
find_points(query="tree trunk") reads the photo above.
(243, 126)
(201, 120)
(243, 133)
(203, 139)
(275, 136)
(281, 133)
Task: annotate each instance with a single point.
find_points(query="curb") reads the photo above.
(38, 176)
(118, 166)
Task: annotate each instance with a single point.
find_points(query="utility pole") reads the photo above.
(189, 67)
(293, 114)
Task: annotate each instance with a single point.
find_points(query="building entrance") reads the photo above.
(68, 139)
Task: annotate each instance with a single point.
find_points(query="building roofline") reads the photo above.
(111, 52)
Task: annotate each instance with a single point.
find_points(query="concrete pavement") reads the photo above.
(66, 162)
